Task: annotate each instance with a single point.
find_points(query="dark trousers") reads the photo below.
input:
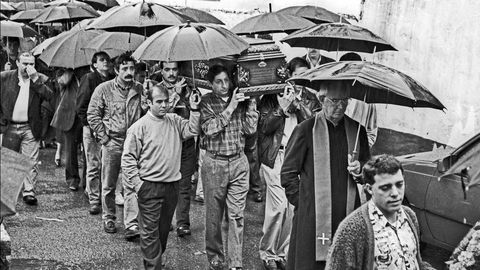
(72, 140)
(156, 205)
(251, 151)
(188, 164)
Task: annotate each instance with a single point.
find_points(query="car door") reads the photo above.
(450, 212)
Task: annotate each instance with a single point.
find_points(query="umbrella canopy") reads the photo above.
(69, 12)
(191, 41)
(37, 50)
(469, 163)
(65, 51)
(25, 15)
(15, 167)
(15, 29)
(83, 24)
(3, 17)
(372, 83)
(338, 37)
(200, 15)
(4, 6)
(270, 23)
(313, 13)
(102, 5)
(144, 18)
(115, 43)
(28, 5)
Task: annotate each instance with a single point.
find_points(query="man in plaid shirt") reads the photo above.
(225, 168)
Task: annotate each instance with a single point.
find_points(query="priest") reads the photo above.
(319, 176)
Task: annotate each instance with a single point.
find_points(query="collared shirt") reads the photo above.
(20, 111)
(395, 244)
(222, 135)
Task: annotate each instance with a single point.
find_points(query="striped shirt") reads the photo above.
(224, 134)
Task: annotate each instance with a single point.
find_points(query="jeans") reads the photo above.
(29, 146)
(156, 204)
(277, 224)
(92, 153)
(251, 151)
(130, 206)
(225, 183)
(199, 191)
(111, 159)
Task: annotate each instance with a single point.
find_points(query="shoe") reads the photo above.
(258, 197)
(183, 230)
(119, 200)
(216, 265)
(95, 209)
(270, 265)
(109, 226)
(199, 199)
(282, 264)
(132, 233)
(30, 200)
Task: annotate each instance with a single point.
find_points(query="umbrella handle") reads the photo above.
(355, 149)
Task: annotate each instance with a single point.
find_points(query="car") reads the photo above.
(444, 208)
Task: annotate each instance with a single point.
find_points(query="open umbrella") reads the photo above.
(37, 50)
(65, 51)
(15, 29)
(338, 37)
(83, 24)
(372, 83)
(28, 5)
(15, 167)
(144, 18)
(102, 5)
(190, 41)
(270, 23)
(315, 14)
(468, 165)
(115, 43)
(65, 13)
(200, 15)
(69, 2)
(25, 15)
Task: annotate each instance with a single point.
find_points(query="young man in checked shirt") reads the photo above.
(225, 169)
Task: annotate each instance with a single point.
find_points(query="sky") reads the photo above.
(340, 6)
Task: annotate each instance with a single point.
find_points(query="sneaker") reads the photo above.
(119, 200)
(183, 230)
(109, 226)
(95, 209)
(30, 200)
(132, 233)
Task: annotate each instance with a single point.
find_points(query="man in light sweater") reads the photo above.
(151, 163)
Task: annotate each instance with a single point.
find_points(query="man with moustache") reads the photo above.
(225, 170)
(151, 164)
(318, 176)
(22, 91)
(179, 94)
(100, 73)
(114, 107)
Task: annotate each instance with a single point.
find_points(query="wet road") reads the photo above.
(76, 240)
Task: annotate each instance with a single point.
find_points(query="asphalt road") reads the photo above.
(76, 240)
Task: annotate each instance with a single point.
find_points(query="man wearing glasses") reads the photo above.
(318, 176)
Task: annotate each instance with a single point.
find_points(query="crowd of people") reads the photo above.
(148, 135)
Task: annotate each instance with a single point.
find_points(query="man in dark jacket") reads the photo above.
(88, 83)
(22, 92)
(317, 175)
(66, 120)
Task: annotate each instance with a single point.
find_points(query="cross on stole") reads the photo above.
(323, 238)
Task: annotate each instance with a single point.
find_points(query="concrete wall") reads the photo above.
(439, 45)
